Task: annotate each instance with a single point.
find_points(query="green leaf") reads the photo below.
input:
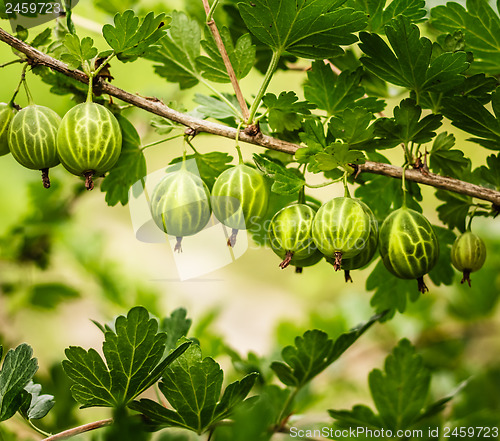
(408, 63)
(400, 391)
(471, 116)
(177, 52)
(285, 111)
(490, 174)
(130, 167)
(359, 416)
(175, 326)
(131, 37)
(378, 17)
(444, 159)
(50, 295)
(285, 180)
(454, 210)
(210, 165)
(391, 293)
(334, 93)
(407, 126)
(79, 53)
(241, 55)
(214, 107)
(314, 352)
(481, 27)
(18, 369)
(134, 361)
(38, 406)
(312, 29)
(353, 127)
(192, 385)
(443, 272)
(42, 39)
(337, 155)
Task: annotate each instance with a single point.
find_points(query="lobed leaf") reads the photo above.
(134, 354)
(17, 370)
(192, 385)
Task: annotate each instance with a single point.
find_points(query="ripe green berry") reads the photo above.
(239, 198)
(180, 204)
(468, 254)
(408, 245)
(366, 254)
(33, 139)
(341, 228)
(6, 115)
(290, 233)
(89, 141)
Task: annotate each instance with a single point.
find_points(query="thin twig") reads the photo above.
(79, 430)
(227, 62)
(197, 125)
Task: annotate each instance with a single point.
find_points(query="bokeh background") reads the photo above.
(96, 269)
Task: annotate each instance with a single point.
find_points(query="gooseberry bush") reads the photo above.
(383, 81)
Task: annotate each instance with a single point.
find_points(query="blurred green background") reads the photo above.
(97, 269)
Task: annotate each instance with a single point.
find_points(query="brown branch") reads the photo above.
(227, 62)
(196, 125)
(79, 430)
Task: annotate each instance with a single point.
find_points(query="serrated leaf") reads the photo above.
(490, 173)
(481, 27)
(18, 369)
(210, 165)
(130, 167)
(407, 126)
(175, 326)
(407, 63)
(38, 406)
(214, 107)
(455, 209)
(312, 29)
(313, 352)
(379, 14)
(444, 159)
(359, 416)
(285, 111)
(400, 391)
(131, 37)
(334, 93)
(471, 116)
(241, 55)
(177, 52)
(78, 52)
(337, 155)
(353, 127)
(192, 385)
(134, 361)
(285, 180)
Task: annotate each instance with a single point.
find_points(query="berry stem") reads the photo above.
(347, 276)
(466, 277)
(90, 91)
(45, 177)
(231, 242)
(338, 260)
(422, 287)
(89, 183)
(286, 260)
(178, 244)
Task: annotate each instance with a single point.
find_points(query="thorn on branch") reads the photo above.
(190, 132)
(252, 130)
